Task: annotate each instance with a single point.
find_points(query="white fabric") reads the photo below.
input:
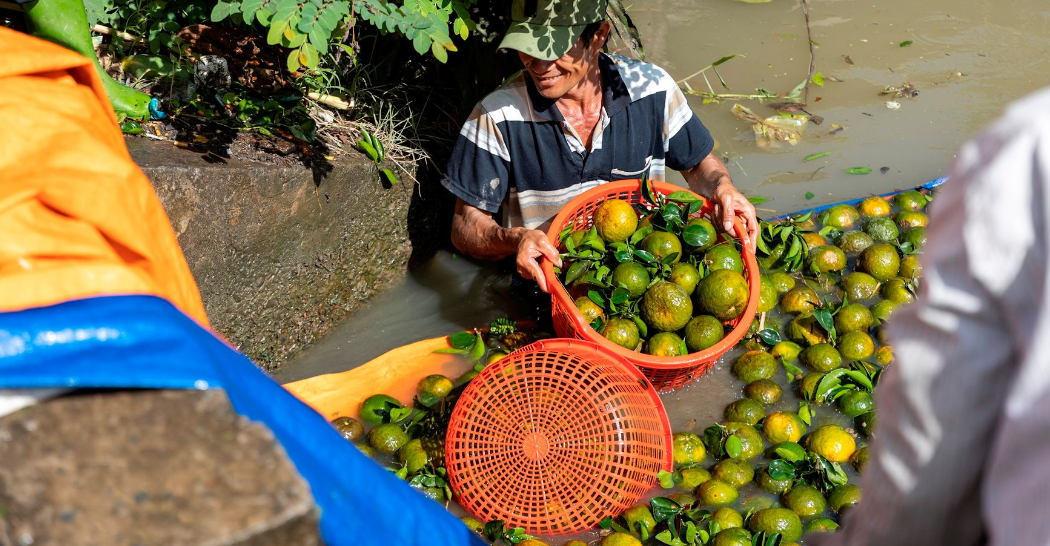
(12, 400)
(962, 453)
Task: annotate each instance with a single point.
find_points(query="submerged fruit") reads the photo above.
(781, 281)
(435, 385)
(875, 206)
(827, 258)
(853, 242)
(856, 346)
(777, 520)
(805, 500)
(882, 230)
(801, 299)
(767, 296)
(349, 428)
(859, 286)
(783, 426)
(881, 261)
(763, 391)
(833, 443)
(387, 438)
(754, 365)
(744, 410)
(376, 409)
(910, 200)
(853, 317)
(716, 493)
(735, 472)
(840, 216)
(821, 357)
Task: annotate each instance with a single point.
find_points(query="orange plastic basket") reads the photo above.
(664, 372)
(556, 436)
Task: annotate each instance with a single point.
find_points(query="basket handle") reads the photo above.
(741, 232)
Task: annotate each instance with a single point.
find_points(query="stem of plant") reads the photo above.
(812, 56)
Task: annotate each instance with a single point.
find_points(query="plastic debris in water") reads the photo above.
(154, 109)
(773, 131)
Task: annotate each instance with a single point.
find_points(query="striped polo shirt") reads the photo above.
(517, 153)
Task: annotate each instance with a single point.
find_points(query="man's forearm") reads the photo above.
(476, 234)
(707, 176)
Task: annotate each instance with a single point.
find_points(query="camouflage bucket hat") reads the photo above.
(547, 29)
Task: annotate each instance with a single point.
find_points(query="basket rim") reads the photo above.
(730, 340)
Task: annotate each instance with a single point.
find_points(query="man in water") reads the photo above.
(575, 118)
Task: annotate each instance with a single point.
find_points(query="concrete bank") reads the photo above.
(282, 253)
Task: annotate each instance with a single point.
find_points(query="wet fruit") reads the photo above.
(840, 216)
(637, 516)
(860, 459)
(666, 307)
(826, 258)
(754, 365)
(821, 525)
(814, 240)
(822, 357)
(750, 440)
(727, 518)
(783, 426)
(692, 478)
(688, 448)
(376, 409)
(853, 317)
(707, 227)
(910, 219)
(853, 242)
(763, 391)
(615, 220)
(435, 385)
(724, 256)
(883, 310)
(349, 428)
(702, 332)
(735, 472)
(897, 291)
(805, 330)
(745, 410)
(734, 536)
(801, 299)
(874, 206)
(805, 500)
(911, 267)
(662, 244)
(622, 331)
(631, 275)
(855, 403)
(685, 275)
(722, 294)
(767, 296)
(916, 236)
(843, 496)
(859, 286)
(856, 346)
(716, 493)
(807, 388)
(618, 539)
(590, 310)
(772, 485)
(387, 438)
(787, 351)
(777, 520)
(866, 423)
(881, 261)
(910, 200)
(882, 230)
(832, 442)
(781, 281)
(664, 344)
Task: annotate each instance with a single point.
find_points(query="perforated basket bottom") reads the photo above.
(555, 437)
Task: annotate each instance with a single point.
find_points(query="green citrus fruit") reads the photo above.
(376, 409)
(727, 518)
(387, 438)
(807, 388)
(854, 403)
(821, 357)
(589, 309)
(770, 485)
(832, 442)
(413, 456)
(897, 291)
(692, 478)
(767, 295)
(366, 449)
(860, 459)
(707, 227)
(666, 307)
(884, 354)
(622, 331)
(716, 493)
(911, 219)
(783, 426)
(467, 377)
(916, 236)
(881, 261)
(615, 220)
(734, 536)
(804, 329)
(688, 448)
(840, 216)
(474, 525)
(702, 332)
(722, 294)
(911, 267)
(750, 440)
(754, 365)
(813, 240)
(859, 286)
(874, 206)
(826, 258)
(685, 275)
(781, 281)
(618, 539)
(853, 242)
(764, 391)
(735, 472)
(882, 230)
(805, 500)
(866, 423)
(882, 310)
(801, 299)
(724, 256)
(910, 200)
(856, 346)
(349, 428)
(787, 351)
(771, 261)
(662, 244)
(685, 500)
(435, 385)
(745, 410)
(664, 344)
(821, 525)
(853, 317)
(633, 276)
(638, 515)
(842, 496)
(777, 520)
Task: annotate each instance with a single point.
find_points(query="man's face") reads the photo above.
(555, 78)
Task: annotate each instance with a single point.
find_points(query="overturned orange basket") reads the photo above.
(664, 372)
(556, 436)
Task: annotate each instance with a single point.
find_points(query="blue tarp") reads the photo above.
(145, 342)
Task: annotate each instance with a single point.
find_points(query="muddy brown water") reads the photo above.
(967, 59)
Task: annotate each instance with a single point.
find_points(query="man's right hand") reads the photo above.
(532, 245)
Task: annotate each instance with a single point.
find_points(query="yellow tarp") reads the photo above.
(77, 216)
(395, 373)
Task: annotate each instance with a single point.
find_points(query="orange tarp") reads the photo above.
(77, 216)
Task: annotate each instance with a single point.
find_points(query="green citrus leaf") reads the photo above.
(818, 155)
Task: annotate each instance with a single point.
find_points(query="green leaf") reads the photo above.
(817, 155)
(683, 197)
(477, 352)
(733, 446)
(319, 38)
(823, 317)
(390, 176)
(645, 256)
(596, 297)
(365, 147)
(792, 370)
(781, 469)
(906, 43)
(809, 195)
(757, 199)
(421, 43)
(723, 59)
(576, 270)
(640, 234)
(858, 170)
(439, 52)
(769, 336)
(805, 413)
(308, 55)
(818, 79)
(643, 329)
(712, 438)
(664, 508)
(221, 11)
(462, 340)
(276, 31)
(451, 351)
(791, 452)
